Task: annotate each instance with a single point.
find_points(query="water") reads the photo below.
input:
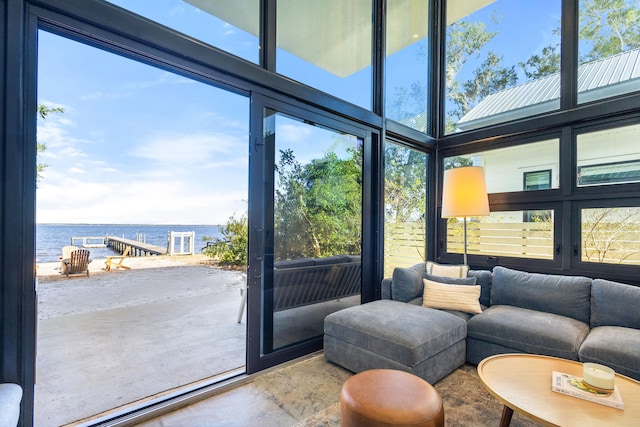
(50, 238)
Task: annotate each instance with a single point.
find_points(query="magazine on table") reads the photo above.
(576, 387)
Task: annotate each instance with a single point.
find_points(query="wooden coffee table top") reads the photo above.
(522, 382)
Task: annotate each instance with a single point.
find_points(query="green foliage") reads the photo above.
(43, 112)
(611, 26)
(543, 65)
(317, 211)
(232, 247)
(405, 182)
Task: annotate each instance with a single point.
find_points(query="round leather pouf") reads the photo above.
(387, 397)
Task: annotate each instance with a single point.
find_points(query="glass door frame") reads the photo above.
(260, 269)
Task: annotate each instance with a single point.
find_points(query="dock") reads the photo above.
(119, 244)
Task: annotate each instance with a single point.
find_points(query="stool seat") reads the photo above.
(387, 397)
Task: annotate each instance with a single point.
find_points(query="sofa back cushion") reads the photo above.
(484, 279)
(567, 296)
(406, 283)
(615, 304)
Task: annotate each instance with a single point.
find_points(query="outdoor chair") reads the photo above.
(78, 263)
(110, 262)
(66, 254)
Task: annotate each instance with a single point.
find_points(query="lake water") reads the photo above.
(50, 238)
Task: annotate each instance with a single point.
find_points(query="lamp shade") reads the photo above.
(464, 193)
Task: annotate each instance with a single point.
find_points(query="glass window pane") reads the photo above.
(326, 44)
(507, 168)
(490, 78)
(317, 228)
(609, 156)
(608, 48)
(611, 235)
(230, 26)
(135, 152)
(504, 234)
(405, 202)
(406, 63)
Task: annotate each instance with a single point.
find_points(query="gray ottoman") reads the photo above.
(389, 334)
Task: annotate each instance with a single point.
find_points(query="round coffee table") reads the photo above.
(522, 383)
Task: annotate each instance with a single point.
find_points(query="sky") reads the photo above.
(138, 144)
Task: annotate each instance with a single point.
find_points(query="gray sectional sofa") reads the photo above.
(577, 318)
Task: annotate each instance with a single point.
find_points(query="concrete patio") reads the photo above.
(116, 337)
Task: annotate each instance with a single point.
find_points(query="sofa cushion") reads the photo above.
(529, 331)
(613, 346)
(402, 332)
(10, 398)
(484, 279)
(563, 295)
(608, 297)
(463, 298)
(406, 283)
(448, 270)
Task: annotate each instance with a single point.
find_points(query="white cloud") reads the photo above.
(189, 149)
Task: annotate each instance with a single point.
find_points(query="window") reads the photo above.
(489, 78)
(230, 26)
(608, 157)
(406, 70)
(610, 235)
(505, 167)
(504, 234)
(538, 180)
(405, 203)
(327, 44)
(608, 48)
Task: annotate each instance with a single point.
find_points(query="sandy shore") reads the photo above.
(51, 270)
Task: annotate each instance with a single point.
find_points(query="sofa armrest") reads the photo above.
(386, 289)
(10, 398)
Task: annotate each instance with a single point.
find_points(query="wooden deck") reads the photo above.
(120, 244)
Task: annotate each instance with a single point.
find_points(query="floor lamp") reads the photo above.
(464, 194)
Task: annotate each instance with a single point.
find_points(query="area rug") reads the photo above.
(466, 404)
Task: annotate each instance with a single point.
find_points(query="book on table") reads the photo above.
(576, 387)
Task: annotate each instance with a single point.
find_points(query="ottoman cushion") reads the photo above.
(385, 397)
(402, 332)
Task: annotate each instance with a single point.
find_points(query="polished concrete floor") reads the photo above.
(282, 397)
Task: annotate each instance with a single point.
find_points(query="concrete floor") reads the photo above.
(280, 398)
(114, 338)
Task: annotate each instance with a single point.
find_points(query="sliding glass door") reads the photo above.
(310, 265)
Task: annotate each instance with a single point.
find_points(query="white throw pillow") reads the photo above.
(444, 270)
(451, 297)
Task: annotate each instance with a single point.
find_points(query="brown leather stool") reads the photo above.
(386, 397)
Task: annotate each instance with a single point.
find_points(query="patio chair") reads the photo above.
(78, 263)
(110, 262)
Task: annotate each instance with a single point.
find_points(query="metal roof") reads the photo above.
(606, 77)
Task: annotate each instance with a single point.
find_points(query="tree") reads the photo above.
(466, 40)
(232, 248)
(43, 112)
(545, 64)
(404, 185)
(612, 26)
(318, 206)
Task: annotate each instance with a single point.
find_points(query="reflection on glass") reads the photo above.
(492, 79)
(406, 63)
(405, 202)
(532, 166)
(317, 229)
(520, 234)
(608, 48)
(326, 44)
(609, 156)
(611, 235)
(230, 26)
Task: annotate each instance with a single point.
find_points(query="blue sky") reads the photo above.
(137, 144)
